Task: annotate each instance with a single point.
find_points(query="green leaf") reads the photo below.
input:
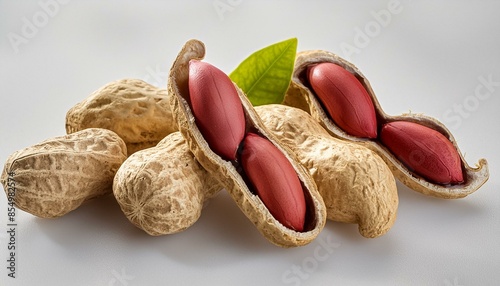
(265, 75)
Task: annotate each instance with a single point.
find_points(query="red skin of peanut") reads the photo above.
(274, 180)
(217, 108)
(344, 98)
(425, 151)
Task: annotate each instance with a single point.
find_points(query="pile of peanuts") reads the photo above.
(327, 152)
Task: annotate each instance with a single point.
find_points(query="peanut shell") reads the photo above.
(135, 110)
(227, 173)
(355, 183)
(161, 189)
(300, 95)
(56, 176)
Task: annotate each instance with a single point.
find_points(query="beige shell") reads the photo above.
(161, 189)
(300, 95)
(56, 176)
(135, 110)
(227, 173)
(355, 183)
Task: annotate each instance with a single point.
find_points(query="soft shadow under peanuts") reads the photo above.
(77, 229)
(352, 251)
(224, 230)
(347, 235)
(459, 207)
(344, 231)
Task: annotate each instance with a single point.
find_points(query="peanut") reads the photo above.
(301, 96)
(229, 172)
(275, 181)
(219, 116)
(56, 176)
(345, 99)
(216, 108)
(424, 151)
(135, 110)
(161, 189)
(355, 183)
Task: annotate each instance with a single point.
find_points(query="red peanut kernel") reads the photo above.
(217, 108)
(345, 99)
(274, 180)
(424, 151)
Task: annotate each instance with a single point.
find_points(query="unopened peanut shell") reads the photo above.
(56, 176)
(355, 183)
(161, 189)
(135, 110)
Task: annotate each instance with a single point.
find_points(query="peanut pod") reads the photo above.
(355, 183)
(301, 95)
(162, 189)
(219, 115)
(135, 110)
(229, 173)
(56, 176)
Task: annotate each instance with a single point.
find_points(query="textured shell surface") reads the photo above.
(301, 96)
(227, 174)
(161, 189)
(56, 176)
(135, 110)
(355, 183)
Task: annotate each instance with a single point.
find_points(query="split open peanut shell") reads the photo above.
(230, 174)
(301, 95)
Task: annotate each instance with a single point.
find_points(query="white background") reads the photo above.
(422, 56)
